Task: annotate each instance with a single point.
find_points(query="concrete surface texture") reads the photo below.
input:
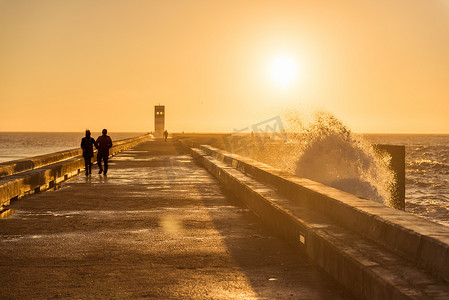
(158, 226)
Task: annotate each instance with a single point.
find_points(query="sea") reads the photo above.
(427, 162)
(426, 172)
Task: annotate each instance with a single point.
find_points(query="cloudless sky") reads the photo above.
(380, 66)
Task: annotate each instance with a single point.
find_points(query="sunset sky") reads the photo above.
(380, 66)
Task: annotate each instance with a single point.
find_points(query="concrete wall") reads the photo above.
(43, 172)
(406, 234)
(394, 246)
(397, 163)
(22, 165)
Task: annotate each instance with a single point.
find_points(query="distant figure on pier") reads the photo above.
(165, 135)
(87, 144)
(103, 144)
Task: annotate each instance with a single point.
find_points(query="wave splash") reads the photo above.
(325, 150)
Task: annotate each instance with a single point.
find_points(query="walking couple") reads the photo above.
(103, 143)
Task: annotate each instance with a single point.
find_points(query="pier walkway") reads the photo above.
(158, 226)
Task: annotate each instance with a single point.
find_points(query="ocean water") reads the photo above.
(427, 162)
(426, 172)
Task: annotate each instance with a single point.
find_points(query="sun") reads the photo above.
(283, 70)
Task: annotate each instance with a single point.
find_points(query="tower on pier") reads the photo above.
(159, 120)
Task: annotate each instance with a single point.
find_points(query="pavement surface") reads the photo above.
(158, 226)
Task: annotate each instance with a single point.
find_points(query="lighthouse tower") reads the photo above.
(159, 120)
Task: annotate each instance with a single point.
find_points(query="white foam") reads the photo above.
(325, 150)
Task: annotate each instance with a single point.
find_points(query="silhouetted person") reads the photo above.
(165, 135)
(87, 144)
(103, 144)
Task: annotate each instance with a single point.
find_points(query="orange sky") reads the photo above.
(380, 66)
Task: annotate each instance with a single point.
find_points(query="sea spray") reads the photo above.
(323, 149)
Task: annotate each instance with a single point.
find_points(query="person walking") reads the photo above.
(87, 144)
(165, 135)
(103, 143)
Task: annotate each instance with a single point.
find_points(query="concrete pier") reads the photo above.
(158, 226)
(376, 252)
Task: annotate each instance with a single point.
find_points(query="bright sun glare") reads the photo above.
(283, 70)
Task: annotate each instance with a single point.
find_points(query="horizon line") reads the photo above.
(221, 132)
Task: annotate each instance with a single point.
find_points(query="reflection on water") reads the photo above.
(133, 158)
(104, 179)
(170, 224)
(5, 214)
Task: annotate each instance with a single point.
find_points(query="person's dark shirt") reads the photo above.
(103, 143)
(87, 146)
